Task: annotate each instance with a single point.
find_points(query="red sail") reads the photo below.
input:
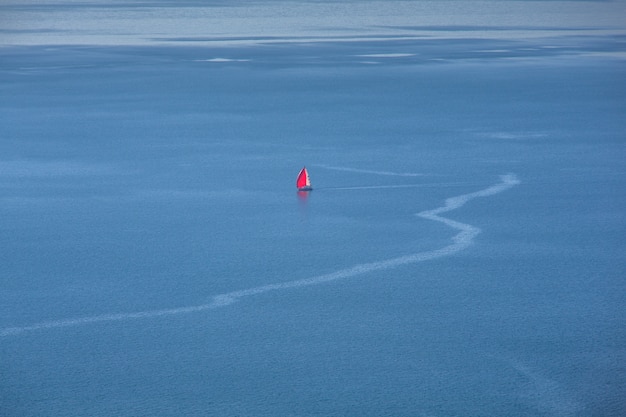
(303, 179)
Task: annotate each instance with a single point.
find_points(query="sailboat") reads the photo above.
(303, 182)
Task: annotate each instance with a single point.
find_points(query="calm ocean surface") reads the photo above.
(463, 252)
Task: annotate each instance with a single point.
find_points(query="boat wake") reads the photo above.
(383, 187)
(368, 171)
(460, 241)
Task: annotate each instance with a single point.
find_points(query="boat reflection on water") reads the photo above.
(303, 196)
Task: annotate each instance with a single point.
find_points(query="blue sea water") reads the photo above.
(463, 252)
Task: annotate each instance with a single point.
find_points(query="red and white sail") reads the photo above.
(303, 182)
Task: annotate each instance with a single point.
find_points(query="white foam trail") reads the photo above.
(367, 171)
(375, 187)
(543, 393)
(397, 55)
(221, 60)
(460, 241)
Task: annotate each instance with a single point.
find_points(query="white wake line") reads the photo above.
(460, 241)
(377, 187)
(367, 171)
